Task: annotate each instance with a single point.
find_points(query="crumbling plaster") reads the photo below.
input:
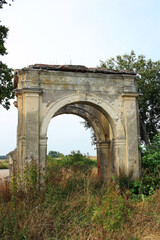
(106, 99)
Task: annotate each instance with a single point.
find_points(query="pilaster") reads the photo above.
(43, 154)
(132, 133)
(104, 156)
(29, 126)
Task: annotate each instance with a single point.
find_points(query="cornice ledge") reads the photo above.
(130, 94)
(28, 90)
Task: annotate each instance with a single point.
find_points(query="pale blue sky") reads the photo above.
(78, 32)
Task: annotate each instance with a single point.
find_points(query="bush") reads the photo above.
(151, 157)
(150, 172)
(151, 167)
(4, 165)
(55, 154)
(75, 161)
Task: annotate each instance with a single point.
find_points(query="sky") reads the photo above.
(80, 32)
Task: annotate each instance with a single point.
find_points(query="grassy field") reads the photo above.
(75, 205)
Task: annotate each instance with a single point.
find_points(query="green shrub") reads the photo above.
(150, 180)
(55, 154)
(76, 161)
(151, 167)
(151, 157)
(4, 165)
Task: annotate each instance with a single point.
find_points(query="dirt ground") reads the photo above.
(4, 173)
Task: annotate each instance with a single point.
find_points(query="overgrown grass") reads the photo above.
(74, 205)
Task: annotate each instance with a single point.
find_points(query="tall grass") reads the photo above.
(75, 205)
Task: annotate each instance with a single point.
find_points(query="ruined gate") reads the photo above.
(104, 98)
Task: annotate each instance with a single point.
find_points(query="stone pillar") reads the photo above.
(119, 157)
(19, 105)
(28, 127)
(132, 133)
(98, 165)
(43, 154)
(104, 156)
(32, 124)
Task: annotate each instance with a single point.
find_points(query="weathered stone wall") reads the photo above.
(106, 99)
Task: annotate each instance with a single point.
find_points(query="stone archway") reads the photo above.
(107, 99)
(102, 131)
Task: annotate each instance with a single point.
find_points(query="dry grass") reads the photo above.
(76, 207)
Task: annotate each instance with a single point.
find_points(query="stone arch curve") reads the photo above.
(90, 117)
(100, 127)
(109, 166)
(105, 107)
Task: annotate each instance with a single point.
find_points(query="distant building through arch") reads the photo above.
(107, 99)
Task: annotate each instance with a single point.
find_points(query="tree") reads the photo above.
(148, 81)
(6, 86)
(5, 2)
(93, 136)
(54, 154)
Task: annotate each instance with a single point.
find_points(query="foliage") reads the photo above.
(112, 212)
(75, 161)
(4, 165)
(6, 86)
(150, 180)
(93, 136)
(148, 81)
(3, 157)
(78, 208)
(55, 154)
(5, 2)
(31, 176)
(151, 157)
(151, 166)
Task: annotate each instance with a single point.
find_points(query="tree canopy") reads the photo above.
(148, 81)
(5, 2)
(6, 86)
(54, 154)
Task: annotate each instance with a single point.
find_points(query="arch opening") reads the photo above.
(66, 133)
(68, 138)
(102, 130)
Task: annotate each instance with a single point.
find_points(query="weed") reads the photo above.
(74, 205)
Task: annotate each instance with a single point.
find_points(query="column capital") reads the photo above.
(15, 103)
(28, 90)
(102, 144)
(43, 141)
(129, 95)
(118, 142)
